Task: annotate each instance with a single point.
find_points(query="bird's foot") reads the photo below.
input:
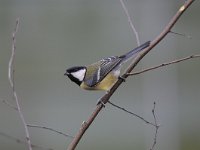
(100, 102)
(122, 78)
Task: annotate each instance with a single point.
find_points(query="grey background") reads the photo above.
(54, 35)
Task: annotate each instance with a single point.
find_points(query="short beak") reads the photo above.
(66, 74)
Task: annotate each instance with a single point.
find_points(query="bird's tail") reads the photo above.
(135, 51)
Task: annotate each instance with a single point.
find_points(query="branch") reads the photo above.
(131, 23)
(50, 129)
(11, 80)
(164, 64)
(22, 142)
(156, 126)
(107, 96)
(37, 126)
(9, 105)
(134, 114)
(181, 34)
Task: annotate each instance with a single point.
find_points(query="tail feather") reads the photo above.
(135, 50)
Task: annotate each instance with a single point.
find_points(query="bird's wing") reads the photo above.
(100, 71)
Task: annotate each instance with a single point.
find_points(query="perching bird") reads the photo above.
(103, 74)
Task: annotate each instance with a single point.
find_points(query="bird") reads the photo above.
(102, 74)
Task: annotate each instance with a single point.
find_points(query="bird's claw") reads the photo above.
(122, 78)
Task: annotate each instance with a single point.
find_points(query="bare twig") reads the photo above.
(37, 126)
(181, 34)
(11, 80)
(50, 129)
(163, 64)
(132, 113)
(17, 140)
(107, 96)
(12, 57)
(156, 126)
(130, 22)
(9, 105)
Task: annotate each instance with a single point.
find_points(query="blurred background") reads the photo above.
(54, 35)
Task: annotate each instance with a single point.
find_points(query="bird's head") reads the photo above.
(76, 74)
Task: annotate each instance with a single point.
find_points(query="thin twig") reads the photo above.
(37, 126)
(9, 105)
(107, 96)
(50, 129)
(130, 22)
(156, 126)
(11, 80)
(132, 113)
(181, 34)
(17, 140)
(163, 64)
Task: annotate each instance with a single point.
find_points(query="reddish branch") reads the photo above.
(107, 96)
(164, 64)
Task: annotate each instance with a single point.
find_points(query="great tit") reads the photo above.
(103, 74)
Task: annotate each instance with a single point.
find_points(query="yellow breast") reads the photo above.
(104, 85)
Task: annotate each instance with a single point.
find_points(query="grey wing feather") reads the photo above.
(105, 67)
(100, 69)
(91, 80)
(135, 51)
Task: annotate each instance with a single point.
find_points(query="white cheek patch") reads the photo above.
(79, 74)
